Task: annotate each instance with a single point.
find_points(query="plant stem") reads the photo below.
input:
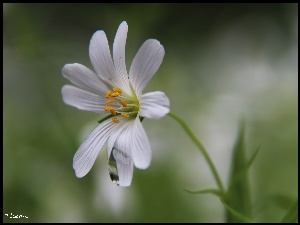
(202, 149)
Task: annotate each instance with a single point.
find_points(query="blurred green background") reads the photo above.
(223, 62)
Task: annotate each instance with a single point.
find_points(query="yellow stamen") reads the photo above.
(123, 102)
(117, 90)
(108, 94)
(115, 94)
(108, 101)
(107, 108)
(115, 120)
(113, 111)
(124, 115)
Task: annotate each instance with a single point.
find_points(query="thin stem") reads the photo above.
(202, 149)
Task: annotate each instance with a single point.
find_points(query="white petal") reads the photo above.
(83, 100)
(145, 64)
(118, 145)
(113, 137)
(140, 146)
(154, 105)
(124, 162)
(84, 78)
(100, 56)
(132, 145)
(119, 57)
(123, 158)
(88, 151)
(133, 141)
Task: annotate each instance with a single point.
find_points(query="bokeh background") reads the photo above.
(223, 62)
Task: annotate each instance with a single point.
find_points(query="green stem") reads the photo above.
(202, 149)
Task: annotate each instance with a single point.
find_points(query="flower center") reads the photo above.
(120, 105)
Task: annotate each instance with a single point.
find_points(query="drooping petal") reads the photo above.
(154, 105)
(88, 151)
(84, 78)
(83, 100)
(100, 56)
(119, 57)
(145, 64)
(124, 164)
(118, 146)
(140, 146)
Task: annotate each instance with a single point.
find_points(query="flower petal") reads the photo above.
(113, 137)
(140, 146)
(119, 57)
(100, 56)
(124, 163)
(83, 100)
(88, 151)
(117, 146)
(84, 78)
(145, 64)
(133, 141)
(154, 105)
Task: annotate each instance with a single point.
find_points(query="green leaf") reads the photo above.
(270, 201)
(236, 214)
(292, 214)
(241, 217)
(206, 191)
(283, 201)
(245, 169)
(238, 194)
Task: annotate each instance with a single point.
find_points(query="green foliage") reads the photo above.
(238, 194)
(206, 191)
(291, 214)
(236, 215)
(243, 171)
(237, 199)
(201, 149)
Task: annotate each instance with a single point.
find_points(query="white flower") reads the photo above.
(111, 90)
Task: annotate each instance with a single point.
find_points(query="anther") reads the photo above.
(108, 101)
(123, 102)
(117, 90)
(113, 111)
(124, 115)
(107, 108)
(115, 120)
(115, 94)
(108, 94)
